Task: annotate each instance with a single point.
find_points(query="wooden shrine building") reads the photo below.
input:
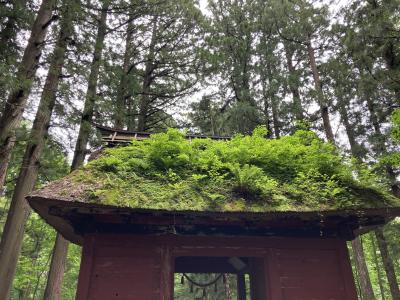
(132, 251)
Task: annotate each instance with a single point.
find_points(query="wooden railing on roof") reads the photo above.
(113, 136)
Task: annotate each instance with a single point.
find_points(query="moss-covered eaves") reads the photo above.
(245, 174)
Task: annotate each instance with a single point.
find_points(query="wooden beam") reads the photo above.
(241, 286)
(116, 136)
(193, 264)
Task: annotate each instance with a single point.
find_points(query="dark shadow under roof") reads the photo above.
(74, 219)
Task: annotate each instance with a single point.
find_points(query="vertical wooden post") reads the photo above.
(85, 271)
(257, 278)
(241, 286)
(167, 274)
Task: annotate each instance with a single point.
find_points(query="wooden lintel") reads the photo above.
(189, 264)
(88, 219)
(87, 225)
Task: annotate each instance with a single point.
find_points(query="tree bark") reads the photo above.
(366, 287)
(266, 97)
(227, 288)
(15, 104)
(5, 163)
(88, 110)
(359, 258)
(11, 241)
(266, 111)
(272, 90)
(57, 266)
(275, 117)
(387, 263)
(60, 250)
(120, 117)
(380, 147)
(378, 268)
(294, 88)
(147, 81)
(321, 99)
(355, 147)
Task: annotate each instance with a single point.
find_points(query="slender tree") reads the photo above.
(11, 239)
(388, 263)
(231, 29)
(60, 250)
(343, 91)
(15, 104)
(123, 95)
(300, 23)
(147, 78)
(168, 62)
(293, 82)
(377, 268)
(367, 292)
(324, 109)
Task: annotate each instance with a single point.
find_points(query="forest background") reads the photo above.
(217, 68)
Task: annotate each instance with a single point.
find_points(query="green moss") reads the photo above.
(248, 173)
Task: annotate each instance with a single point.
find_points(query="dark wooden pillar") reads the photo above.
(167, 274)
(257, 279)
(241, 287)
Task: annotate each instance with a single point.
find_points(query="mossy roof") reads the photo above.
(245, 174)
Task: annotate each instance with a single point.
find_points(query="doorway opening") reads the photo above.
(219, 278)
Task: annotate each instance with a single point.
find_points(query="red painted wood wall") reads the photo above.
(141, 267)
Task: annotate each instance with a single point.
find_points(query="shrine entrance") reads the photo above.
(209, 278)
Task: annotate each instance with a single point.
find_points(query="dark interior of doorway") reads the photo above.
(219, 278)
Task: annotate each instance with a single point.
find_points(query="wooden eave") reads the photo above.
(112, 136)
(75, 219)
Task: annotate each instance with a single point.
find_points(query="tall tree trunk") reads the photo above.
(144, 101)
(266, 98)
(365, 282)
(388, 48)
(60, 250)
(380, 146)
(120, 116)
(266, 111)
(57, 266)
(321, 99)
(387, 263)
(4, 164)
(34, 259)
(355, 147)
(359, 257)
(88, 110)
(227, 288)
(275, 117)
(378, 268)
(293, 86)
(272, 90)
(379, 149)
(11, 241)
(15, 104)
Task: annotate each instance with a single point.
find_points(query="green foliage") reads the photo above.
(396, 125)
(393, 157)
(249, 173)
(33, 264)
